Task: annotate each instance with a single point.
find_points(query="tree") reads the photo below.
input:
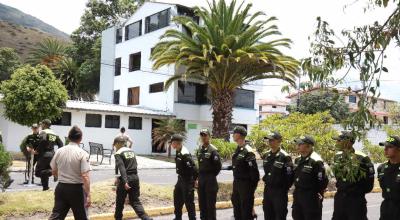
(85, 51)
(295, 125)
(67, 72)
(164, 131)
(48, 52)
(9, 61)
(33, 94)
(311, 103)
(227, 52)
(362, 50)
(394, 113)
(5, 163)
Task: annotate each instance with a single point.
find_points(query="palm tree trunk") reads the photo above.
(222, 106)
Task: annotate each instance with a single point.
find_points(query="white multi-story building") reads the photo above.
(132, 93)
(127, 76)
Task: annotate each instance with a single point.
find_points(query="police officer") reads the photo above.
(28, 147)
(45, 153)
(278, 178)
(128, 181)
(389, 179)
(187, 174)
(349, 201)
(310, 181)
(209, 167)
(245, 176)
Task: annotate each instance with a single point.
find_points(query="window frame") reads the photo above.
(116, 101)
(119, 35)
(156, 87)
(127, 30)
(60, 121)
(117, 66)
(355, 99)
(236, 105)
(135, 123)
(114, 123)
(93, 126)
(147, 21)
(131, 100)
(131, 61)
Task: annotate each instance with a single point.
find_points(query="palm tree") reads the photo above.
(67, 71)
(165, 129)
(227, 52)
(48, 52)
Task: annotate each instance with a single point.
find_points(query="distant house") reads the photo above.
(268, 107)
(379, 110)
(132, 93)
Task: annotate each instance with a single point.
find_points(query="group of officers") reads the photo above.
(307, 173)
(38, 149)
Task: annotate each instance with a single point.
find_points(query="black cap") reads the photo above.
(391, 140)
(46, 122)
(176, 137)
(345, 135)
(306, 139)
(240, 130)
(205, 131)
(274, 135)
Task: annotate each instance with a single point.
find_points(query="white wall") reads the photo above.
(107, 65)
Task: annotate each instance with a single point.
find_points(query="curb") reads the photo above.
(170, 209)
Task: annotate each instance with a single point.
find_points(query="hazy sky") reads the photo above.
(296, 21)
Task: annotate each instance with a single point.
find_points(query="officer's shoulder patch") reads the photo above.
(315, 157)
(249, 149)
(184, 151)
(284, 152)
(359, 153)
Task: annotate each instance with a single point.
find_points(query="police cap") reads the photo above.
(176, 137)
(274, 135)
(240, 130)
(345, 135)
(391, 141)
(306, 139)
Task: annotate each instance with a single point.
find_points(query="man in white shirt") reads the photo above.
(71, 165)
(125, 136)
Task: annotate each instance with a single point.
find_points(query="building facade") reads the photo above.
(130, 89)
(268, 107)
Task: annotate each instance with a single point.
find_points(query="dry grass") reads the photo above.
(20, 38)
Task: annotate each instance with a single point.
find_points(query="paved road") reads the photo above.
(374, 201)
(153, 176)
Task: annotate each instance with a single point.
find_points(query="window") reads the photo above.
(118, 36)
(352, 99)
(188, 12)
(274, 106)
(112, 121)
(157, 21)
(117, 67)
(260, 108)
(64, 120)
(93, 120)
(116, 97)
(133, 96)
(157, 87)
(385, 120)
(244, 98)
(135, 123)
(133, 30)
(134, 61)
(384, 104)
(192, 93)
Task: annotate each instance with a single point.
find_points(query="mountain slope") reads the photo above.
(15, 16)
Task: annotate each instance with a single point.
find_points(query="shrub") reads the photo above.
(319, 125)
(5, 163)
(225, 148)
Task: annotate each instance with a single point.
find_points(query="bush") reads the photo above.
(5, 163)
(375, 152)
(225, 148)
(319, 125)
